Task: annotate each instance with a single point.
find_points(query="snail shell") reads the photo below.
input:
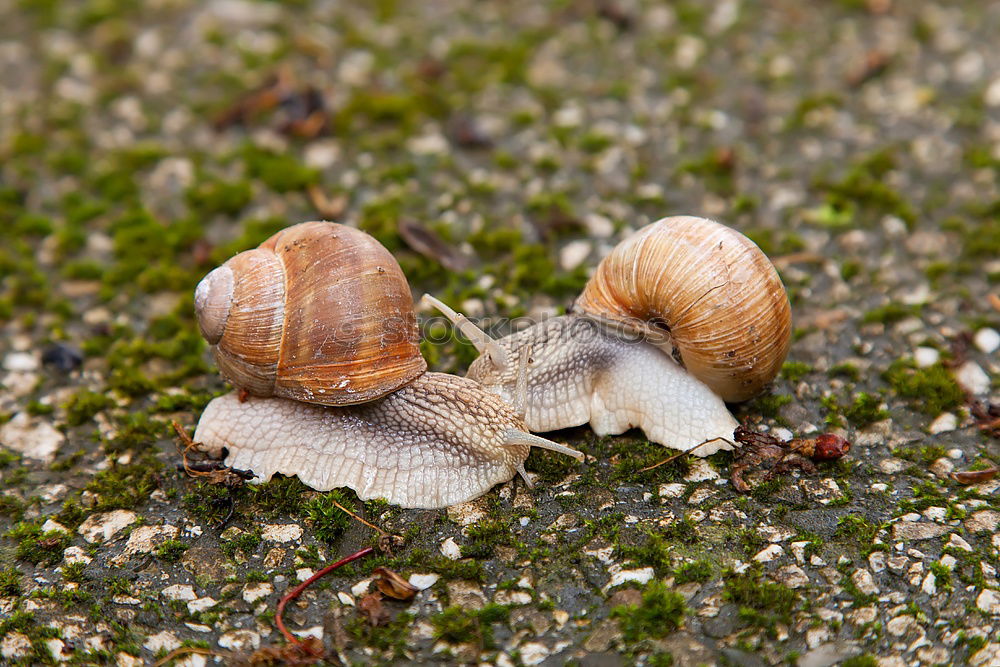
(704, 290)
(319, 313)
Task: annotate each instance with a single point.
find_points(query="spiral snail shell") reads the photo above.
(319, 313)
(707, 291)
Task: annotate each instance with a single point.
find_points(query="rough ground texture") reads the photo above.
(857, 142)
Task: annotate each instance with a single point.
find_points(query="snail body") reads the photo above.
(316, 330)
(679, 318)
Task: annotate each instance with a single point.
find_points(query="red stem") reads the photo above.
(295, 592)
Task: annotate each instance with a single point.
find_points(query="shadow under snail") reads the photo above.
(316, 330)
(679, 318)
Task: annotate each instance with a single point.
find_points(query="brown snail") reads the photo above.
(316, 329)
(680, 317)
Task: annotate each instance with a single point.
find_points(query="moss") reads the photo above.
(329, 521)
(210, 197)
(769, 406)
(245, 543)
(931, 390)
(846, 370)
(660, 613)
(890, 313)
(857, 531)
(485, 535)
(209, 503)
(10, 582)
(866, 660)
(698, 570)
(280, 172)
(170, 551)
(83, 405)
(762, 603)
(794, 371)
(865, 410)
(654, 551)
(35, 546)
(458, 624)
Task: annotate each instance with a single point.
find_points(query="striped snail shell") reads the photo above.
(319, 313)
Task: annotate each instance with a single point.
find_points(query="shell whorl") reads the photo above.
(319, 313)
(708, 290)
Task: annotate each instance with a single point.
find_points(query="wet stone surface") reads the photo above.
(857, 142)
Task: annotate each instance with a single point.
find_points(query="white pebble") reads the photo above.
(972, 378)
(423, 581)
(944, 422)
(987, 340)
(449, 549)
(926, 356)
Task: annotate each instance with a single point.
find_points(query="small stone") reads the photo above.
(905, 530)
(76, 555)
(944, 422)
(925, 356)
(288, 532)
(929, 584)
(512, 598)
(161, 641)
(256, 591)
(423, 581)
(701, 471)
(15, 645)
(876, 561)
(640, 576)
(769, 553)
(345, 598)
(988, 601)
(897, 564)
(987, 656)
(574, 253)
(792, 576)
(466, 514)
(51, 525)
(533, 653)
(123, 659)
(863, 616)
(675, 490)
(179, 592)
(987, 340)
(936, 514)
(972, 378)
(35, 439)
(892, 465)
(864, 581)
(20, 362)
(201, 604)
(103, 526)
(983, 520)
(144, 540)
(243, 641)
(822, 490)
(603, 636)
(956, 541)
(449, 549)
(901, 625)
(466, 594)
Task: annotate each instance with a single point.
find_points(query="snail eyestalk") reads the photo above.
(479, 338)
(515, 437)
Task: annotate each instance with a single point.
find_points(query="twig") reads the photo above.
(295, 592)
(678, 455)
(178, 652)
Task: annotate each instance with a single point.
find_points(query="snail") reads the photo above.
(315, 328)
(679, 318)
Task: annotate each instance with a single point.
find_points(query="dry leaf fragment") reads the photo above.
(371, 607)
(975, 476)
(392, 585)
